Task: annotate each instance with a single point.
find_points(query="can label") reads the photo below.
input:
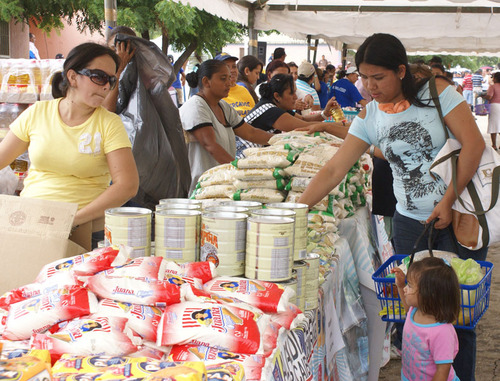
(177, 236)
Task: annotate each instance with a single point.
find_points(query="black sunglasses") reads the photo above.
(99, 77)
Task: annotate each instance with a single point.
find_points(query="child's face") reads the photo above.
(411, 292)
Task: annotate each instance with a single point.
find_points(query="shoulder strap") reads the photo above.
(435, 99)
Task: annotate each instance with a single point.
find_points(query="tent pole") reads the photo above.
(109, 16)
(315, 55)
(253, 34)
(344, 56)
(308, 48)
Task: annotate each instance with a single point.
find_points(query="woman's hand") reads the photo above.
(300, 105)
(317, 127)
(125, 52)
(330, 106)
(442, 212)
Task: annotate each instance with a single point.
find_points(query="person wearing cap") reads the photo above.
(239, 97)
(307, 74)
(279, 54)
(344, 90)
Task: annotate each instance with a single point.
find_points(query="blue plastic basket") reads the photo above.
(350, 115)
(474, 299)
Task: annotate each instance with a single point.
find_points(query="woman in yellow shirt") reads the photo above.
(76, 147)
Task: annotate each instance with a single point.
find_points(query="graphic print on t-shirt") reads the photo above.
(85, 143)
(409, 148)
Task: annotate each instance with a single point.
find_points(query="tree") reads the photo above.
(47, 14)
(182, 27)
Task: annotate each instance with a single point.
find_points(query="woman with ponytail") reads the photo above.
(76, 147)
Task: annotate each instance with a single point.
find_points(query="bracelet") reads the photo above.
(323, 115)
(372, 150)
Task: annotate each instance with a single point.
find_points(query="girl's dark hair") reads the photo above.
(278, 84)
(78, 58)
(250, 62)
(275, 64)
(207, 69)
(438, 288)
(387, 51)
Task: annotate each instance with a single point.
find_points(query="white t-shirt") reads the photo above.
(196, 113)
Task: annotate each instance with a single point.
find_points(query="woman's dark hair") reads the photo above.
(122, 30)
(438, 66)
(302, 77)
(278, 84)
(292, 64)
(78, 58)
(207, 69)
(275, 64)
(250, 62)
(387, 51)
(496, 77)
(438, 288)
(341, 74)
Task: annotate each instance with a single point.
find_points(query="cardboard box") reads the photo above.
(33, 233)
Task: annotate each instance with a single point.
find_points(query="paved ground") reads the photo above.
(488, 328)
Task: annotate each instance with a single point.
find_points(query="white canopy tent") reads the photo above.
(424, 26)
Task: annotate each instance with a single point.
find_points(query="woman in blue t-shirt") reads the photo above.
(404, 124)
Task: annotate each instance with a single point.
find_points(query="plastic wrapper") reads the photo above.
(468, 271)
(179, 280)
(38, 314)
(8, 181)
(266, 158)
(93, 335)
(58, 281)
(270, 337)
(221, 326)
(140, 267)
(27, 368)
(268, 297)
(252, 364)
(144, 291)
(259, 194)
(85, 264)
(186, 371)
(153, 124)
(301, 139)
(221, 174)
(278, 184)
(69, 363)
(213, 191)
(204, 271)
(148, 350)
(144, 320)
(226, 371)
(259, 174)
(311, 160)
(289, 319)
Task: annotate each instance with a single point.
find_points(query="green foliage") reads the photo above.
(47, 14)
(470, 62)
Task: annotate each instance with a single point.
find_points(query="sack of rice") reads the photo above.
(214, 191)
(259, 194)
(259, 174)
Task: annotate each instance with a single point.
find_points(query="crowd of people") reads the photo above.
(235, 108)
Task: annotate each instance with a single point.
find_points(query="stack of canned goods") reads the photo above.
(300, 239)
(312, 281)
(129, 226)
(300, 267)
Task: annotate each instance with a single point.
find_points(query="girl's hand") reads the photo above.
(318, 127)
(300, 105)
(442, 212)
(400, 277)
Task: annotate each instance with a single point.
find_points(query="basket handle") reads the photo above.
(430, 241)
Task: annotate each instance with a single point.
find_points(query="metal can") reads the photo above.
(177, 234)
(274, 212)
(129, 226)
(223, 241)
(312, 281)
(250, 205)
(269, 248)
(292, 283)
(300, 268)
(301, 211)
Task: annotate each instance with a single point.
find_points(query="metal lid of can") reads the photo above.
(248, 204)
(180, 201)
(226, 208)
(225, 216)
(274, 212)
(287, 205)
(177, 212)
(177, 206)
(128, 211)
(271, 220)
